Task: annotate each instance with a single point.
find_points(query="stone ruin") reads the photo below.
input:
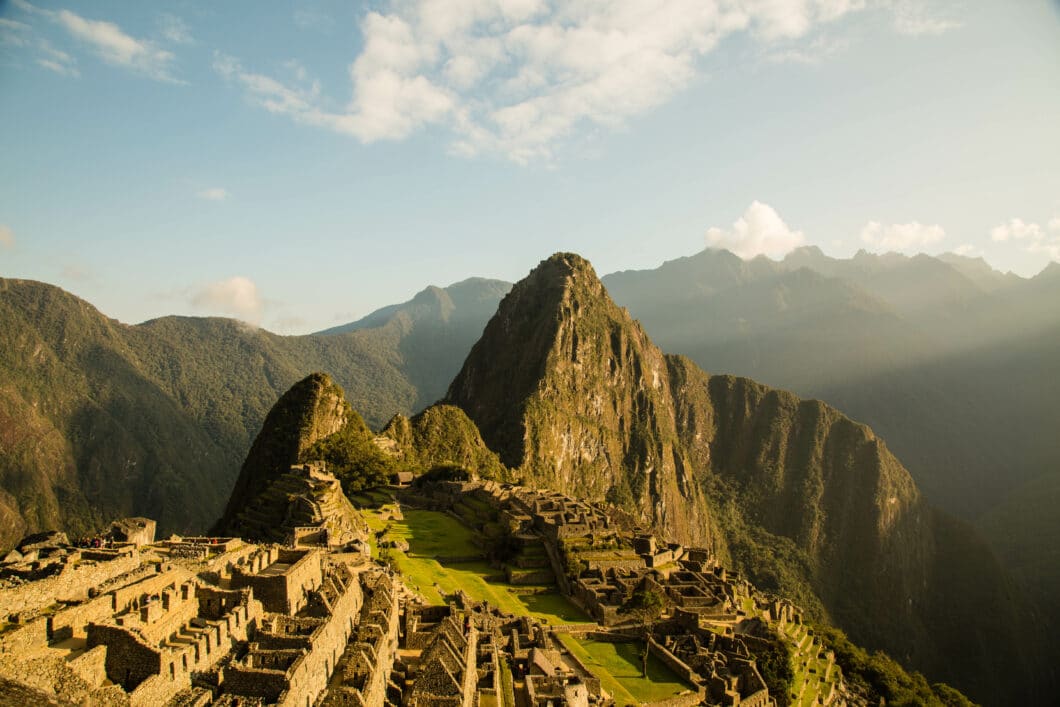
(218, 620)
(603, 560)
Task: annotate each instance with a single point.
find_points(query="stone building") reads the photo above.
(281, 578)
(290, 659)
(365, 667)
(157, 644)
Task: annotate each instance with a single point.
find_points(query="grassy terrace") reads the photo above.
(433, 535)
(618, 665)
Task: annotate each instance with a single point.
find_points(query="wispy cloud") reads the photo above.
(912, 18)
(1031, 237)
(290, 325)
(314, 19)
(57, 60)
(520, 77)
(117, 48)
(108, 41)
(901, 236)
(174, 29)
(14, 33)
(7, 237)
(814, 52)
(20, 34)
(214, 194)
(235, 297)
(760, 231)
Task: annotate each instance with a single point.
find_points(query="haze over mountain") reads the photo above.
(956, 365)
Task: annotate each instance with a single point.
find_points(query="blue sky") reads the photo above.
(299, 164)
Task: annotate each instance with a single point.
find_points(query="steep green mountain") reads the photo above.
(86, 434)
(313, 423)
(567, 388)
(442, 434)
(101, 419)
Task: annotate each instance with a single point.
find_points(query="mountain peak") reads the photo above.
(313, 408)
(1050, 271)
(566, 268)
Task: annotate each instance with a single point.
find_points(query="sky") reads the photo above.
(300, 164)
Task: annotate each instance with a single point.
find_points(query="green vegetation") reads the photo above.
(104, 420)
(354, 458)
(434, 537)
(879, 676)
(620, 669)
(443, 436)
(646, 603)
(443, 472)
(774, 665)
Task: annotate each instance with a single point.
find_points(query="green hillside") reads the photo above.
(103, 419)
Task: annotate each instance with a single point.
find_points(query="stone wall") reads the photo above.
(302, 673)
(91, 666)
(26, 638)
(685, 699)
(678, 666)
(73, 583)
(283, 585)
(130, 660)
(183, 642)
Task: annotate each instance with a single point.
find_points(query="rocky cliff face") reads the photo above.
(566, 387)
(572, 394)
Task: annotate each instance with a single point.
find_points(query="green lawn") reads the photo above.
(431, 534)
(618, 665)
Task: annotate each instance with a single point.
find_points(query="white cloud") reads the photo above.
(7, 237)
(811, 53)
(760, 231)
(174, 29)
(968, 249)
(309, 18)
(13, 32)
(901, 236)
(520, 77)
(57, 60)
(236, 297)
(1016, 230)
(290, 325)
(1031, 237)
(108, 41)
(118, 48)
(913, 19)
(214, 194)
